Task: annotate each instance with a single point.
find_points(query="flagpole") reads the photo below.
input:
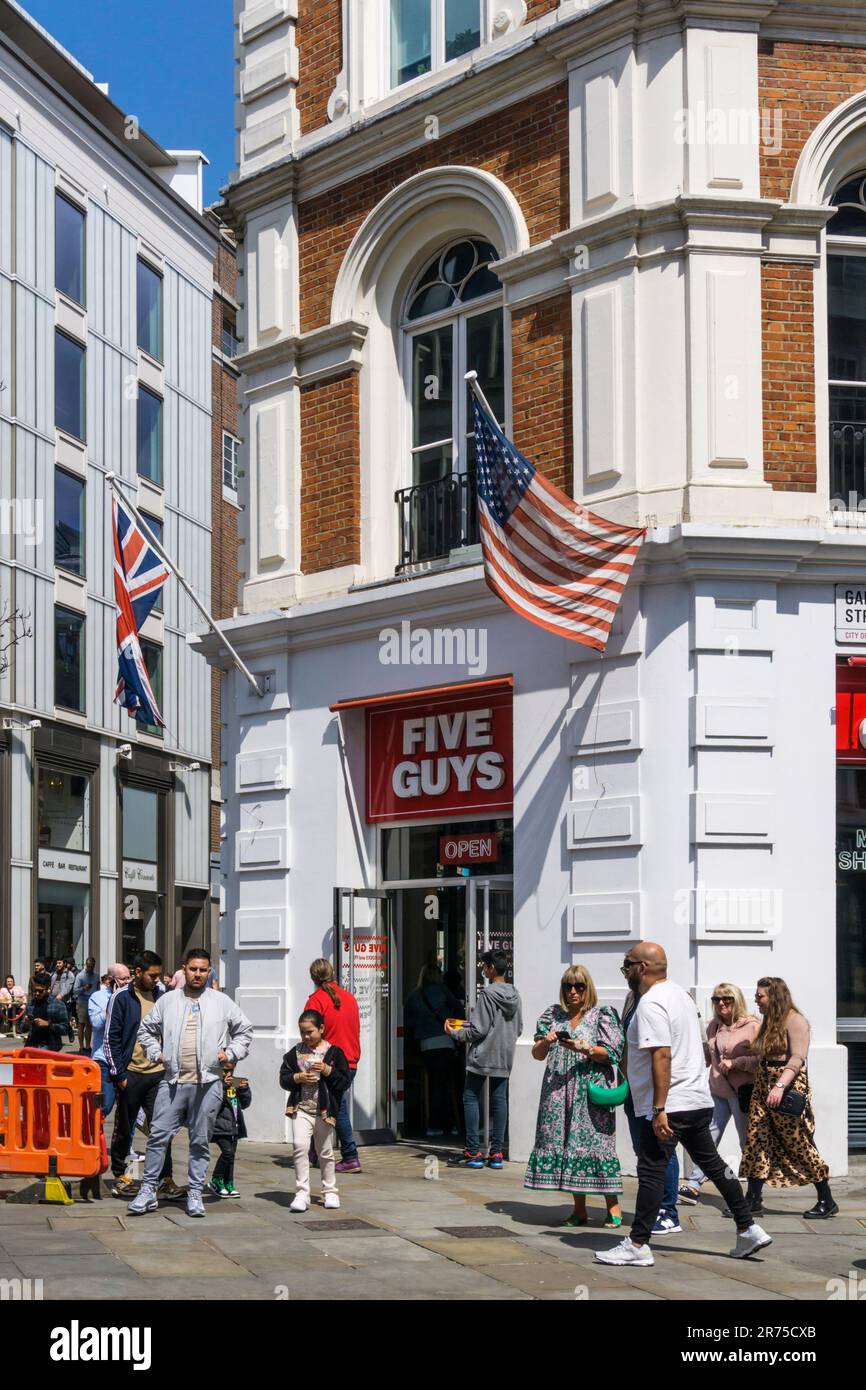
(115, 483)
(472, 379)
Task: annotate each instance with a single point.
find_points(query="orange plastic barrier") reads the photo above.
(51, 1115)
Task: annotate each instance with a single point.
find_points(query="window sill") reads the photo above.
(230, 495)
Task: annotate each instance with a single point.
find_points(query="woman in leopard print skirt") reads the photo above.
(780, 1148)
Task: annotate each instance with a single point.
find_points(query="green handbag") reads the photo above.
(608, 1095)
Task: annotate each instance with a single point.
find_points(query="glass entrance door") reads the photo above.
(362, 931)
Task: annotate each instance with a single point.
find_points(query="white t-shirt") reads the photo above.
(666, 1017)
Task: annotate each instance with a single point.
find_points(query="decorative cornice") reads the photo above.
(308, 357)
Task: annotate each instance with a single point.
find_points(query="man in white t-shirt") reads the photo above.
(670, 1089)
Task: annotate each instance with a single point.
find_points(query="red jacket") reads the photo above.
(342, 1026)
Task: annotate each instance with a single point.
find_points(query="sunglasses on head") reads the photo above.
(723, 999)
(578, 985)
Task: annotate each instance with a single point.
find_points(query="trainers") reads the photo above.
(468, 1159)
(194, 1203)
(169, 1189)
(626, 1254)
(145, 1201)
(331, 1201)
(495, 1160)
(348, 1165)
(217, 1186)
(230, 1190)
(666, 1226)
(301, 1202)
(124, 1187)
(750, 1242)
(688, 1195)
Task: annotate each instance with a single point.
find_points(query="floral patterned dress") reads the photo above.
(575, 1142)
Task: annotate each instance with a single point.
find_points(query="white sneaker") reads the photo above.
(301, 1202)
(331, 1201)
(626, 1254)
(749, 1242)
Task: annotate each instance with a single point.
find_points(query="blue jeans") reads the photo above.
(472, 1092)
(107, 1091)
(671, 1193)
(345, 1137)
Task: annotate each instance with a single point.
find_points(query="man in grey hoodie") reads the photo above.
(492, 1033)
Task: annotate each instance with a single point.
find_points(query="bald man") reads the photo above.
(667, 1075)
(97, 1009)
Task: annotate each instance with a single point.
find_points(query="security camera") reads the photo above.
(125, 751)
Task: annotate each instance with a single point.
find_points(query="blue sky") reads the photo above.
(168, 62)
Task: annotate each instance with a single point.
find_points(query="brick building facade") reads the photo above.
(626, 218)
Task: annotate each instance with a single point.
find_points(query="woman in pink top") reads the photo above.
(732, 1063)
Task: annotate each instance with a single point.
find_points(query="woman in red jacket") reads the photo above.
(342, 1029)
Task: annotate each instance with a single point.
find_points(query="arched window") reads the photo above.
(453, 324)
(846, 300)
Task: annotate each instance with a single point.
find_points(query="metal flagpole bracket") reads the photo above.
(472, 379)
(115, 483)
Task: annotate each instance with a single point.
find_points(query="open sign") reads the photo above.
(469, 849)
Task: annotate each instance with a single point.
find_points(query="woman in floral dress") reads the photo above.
(575, 1141)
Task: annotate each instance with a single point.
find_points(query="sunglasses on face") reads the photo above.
(627, 964)
(723, 999)
(578, 985)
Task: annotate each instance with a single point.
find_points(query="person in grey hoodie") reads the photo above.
(193, 1032)
(492, 1033)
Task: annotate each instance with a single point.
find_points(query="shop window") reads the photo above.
(427, 34)
(140, 824)
(414, 851)
(149, 435)
(149, 297)
(68, 385)
(69, 248)
(69, 660)
(69, 495)
(453, 324)
(63, 810)
(62, 921)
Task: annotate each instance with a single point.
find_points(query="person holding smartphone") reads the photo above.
(575, 1141)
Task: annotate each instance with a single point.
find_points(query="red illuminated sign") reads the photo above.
(444, 755)
(469, 849)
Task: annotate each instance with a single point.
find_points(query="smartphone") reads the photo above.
(564, 1035)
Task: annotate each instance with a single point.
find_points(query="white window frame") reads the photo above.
(841, 246)
(437, 41)
(233, 486)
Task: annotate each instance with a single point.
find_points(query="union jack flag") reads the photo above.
(139, 575)
(551, 560)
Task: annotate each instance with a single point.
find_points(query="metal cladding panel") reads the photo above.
(101, 674)
(187, 338)
(34, 657)
(100, 539)
(34, 361)
(21, 793)
(111, 255)
(6, 407)
(34, 503)
(192, 827)
(6, 203)
(111, 409)
(5, 604)
(187, 458)
(108, 809)
(34, 218)
(6, 538)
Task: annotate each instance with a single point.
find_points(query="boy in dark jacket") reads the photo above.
(46, 1019)
(315, 1074)
(229, 1127)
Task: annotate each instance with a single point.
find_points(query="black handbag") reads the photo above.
(792, 1103)
(744, 1096)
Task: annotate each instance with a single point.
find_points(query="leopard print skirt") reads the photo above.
(780, 1149)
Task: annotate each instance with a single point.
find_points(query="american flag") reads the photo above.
(552, 561)
(139, 575)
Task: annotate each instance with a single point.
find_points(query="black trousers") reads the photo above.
(691, 1128)
(225, 1164)
(138, 1094)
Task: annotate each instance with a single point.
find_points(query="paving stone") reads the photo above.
(21, 1242)
(361, 1252)
(484, 1252)
(194, 1259)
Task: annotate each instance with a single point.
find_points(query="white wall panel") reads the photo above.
(34, 218)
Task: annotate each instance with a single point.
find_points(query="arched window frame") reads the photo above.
(848, 421)
(458, 315)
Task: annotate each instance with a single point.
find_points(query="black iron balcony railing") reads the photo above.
(436, 518)
(847, 447)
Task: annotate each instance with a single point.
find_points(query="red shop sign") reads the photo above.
(446, 754)
(469, 849)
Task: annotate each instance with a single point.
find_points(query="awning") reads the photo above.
(425, 692)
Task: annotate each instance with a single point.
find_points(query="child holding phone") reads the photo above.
(315, 1074)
